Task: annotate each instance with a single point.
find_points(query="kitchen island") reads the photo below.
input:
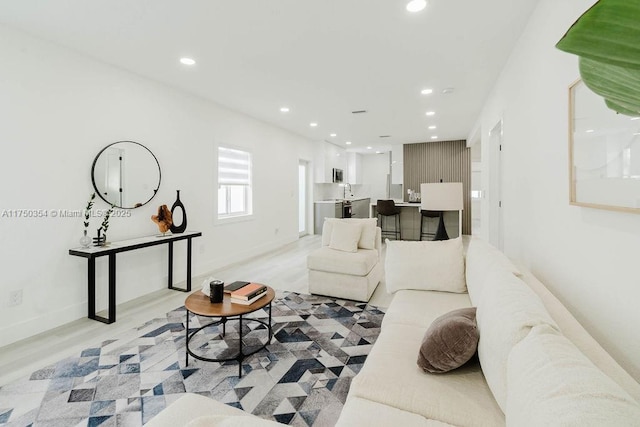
(356, 207)
(410, 220)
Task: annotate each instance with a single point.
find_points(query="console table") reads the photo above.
(93, 252)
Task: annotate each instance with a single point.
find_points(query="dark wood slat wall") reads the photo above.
(433, 161)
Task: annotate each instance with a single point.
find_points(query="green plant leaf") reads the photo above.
(619, 109)
(608, 32)
(619, 86)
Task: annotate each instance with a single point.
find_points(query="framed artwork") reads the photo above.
(604, 153)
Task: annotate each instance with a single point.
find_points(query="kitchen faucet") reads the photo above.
(344, 196)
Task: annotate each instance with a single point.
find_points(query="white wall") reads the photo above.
(58, 110)
(587, 257)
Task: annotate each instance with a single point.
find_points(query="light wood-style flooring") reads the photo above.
(285, 269)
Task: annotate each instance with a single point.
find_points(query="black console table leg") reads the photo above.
(189, 265)
(111, 308)
(170, 261)
(188, 288)
(91, 280)
(112, 288)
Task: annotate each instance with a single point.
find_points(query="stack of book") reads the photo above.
(248, 293)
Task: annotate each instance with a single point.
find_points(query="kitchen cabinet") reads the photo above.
(328, 209)
(397, 164)
(360, 208)
(354, 168)
(327, 157)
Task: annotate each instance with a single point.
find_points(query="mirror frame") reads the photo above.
(93, 179)
(573, 180)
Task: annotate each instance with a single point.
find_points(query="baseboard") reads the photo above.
(26, 329)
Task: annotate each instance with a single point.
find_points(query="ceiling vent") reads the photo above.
(384, 136)
(359, 112)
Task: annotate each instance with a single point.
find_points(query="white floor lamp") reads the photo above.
(442, 196)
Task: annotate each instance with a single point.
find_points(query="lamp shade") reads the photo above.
(441, 196)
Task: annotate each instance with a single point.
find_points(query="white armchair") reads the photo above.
(348, 263)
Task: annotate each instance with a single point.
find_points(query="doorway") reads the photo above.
(303, 198)
(496, 145)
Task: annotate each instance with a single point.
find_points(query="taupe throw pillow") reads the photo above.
(450, 341)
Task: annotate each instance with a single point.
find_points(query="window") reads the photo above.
(234, 183)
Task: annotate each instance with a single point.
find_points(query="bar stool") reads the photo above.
(387, 208)
(430, 215)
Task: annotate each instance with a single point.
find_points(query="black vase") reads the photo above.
(178, 204)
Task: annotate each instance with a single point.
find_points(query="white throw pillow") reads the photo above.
(345, 236)
(483, 258)
(507, 311)
(427, 266)
(367, 238)
(551, 383)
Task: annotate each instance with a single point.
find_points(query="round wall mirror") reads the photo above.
(126, 174)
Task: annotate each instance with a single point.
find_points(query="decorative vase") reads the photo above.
(85, 241)
(178, 204)
(100, 240)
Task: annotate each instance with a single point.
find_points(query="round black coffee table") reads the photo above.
(198, 303)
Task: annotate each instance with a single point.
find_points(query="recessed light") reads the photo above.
(432, 127)
(313, 124)
(636, 134)
(187, 61)
(589, 131)
(430, 113)
(369, 148)
(378, 152)
(448, 90)
(284, 109)
(333, 135)
(426, 91)
(348, 142)
(337, 154)
(434, 137)
(416, 5)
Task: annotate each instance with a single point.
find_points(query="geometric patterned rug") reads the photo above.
(301, 378)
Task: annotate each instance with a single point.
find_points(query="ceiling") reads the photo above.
(322, 59)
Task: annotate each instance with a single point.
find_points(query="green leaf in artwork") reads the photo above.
(608, 32)
(619, 86)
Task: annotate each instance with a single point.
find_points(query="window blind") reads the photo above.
(234, 167)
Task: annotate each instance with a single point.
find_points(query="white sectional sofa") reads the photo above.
(536, 365)
(392, 390)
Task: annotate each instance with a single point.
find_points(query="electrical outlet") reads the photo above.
(15, 298)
